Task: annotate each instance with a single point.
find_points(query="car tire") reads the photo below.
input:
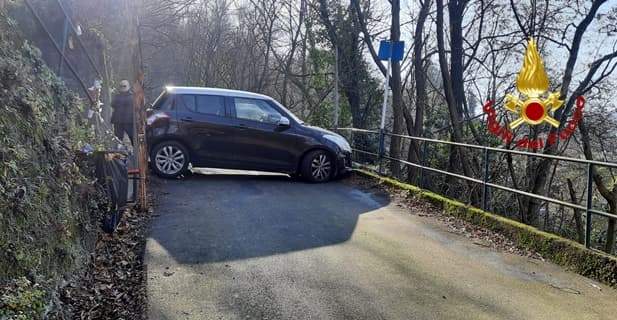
(169, 159)
(317, 166)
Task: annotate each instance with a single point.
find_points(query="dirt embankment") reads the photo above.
(48, 203)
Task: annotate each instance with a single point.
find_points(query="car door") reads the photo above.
(260, 142)
(206, 123)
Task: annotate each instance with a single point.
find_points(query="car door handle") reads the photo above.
(187, 119)
(241, 126)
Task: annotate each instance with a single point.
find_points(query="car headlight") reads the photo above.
(339, 141)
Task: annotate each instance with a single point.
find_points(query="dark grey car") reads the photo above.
(232, 129)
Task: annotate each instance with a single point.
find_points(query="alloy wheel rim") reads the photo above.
(169, 160)
(321, 167)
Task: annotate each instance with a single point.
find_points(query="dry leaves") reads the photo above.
(114, 286)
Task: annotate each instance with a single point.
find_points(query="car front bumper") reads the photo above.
(343, 163)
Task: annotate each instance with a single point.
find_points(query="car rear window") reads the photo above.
(206, 104)
(163, 102)
(188, 101)
(211, 105)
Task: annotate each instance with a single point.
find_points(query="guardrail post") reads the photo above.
(589, 205)
(382, 151)
(352, 140)
(423, 163)
(485, 180)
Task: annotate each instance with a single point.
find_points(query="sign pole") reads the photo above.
(385, 97)
(390, 51)
(382, 126)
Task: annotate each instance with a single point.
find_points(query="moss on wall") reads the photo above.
(569, 254)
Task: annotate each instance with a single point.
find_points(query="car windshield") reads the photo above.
(288, 112)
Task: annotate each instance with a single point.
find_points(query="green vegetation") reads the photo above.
(48, 204)
(564, 252)
(22, 300)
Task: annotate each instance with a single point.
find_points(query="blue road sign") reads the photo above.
(389, 49)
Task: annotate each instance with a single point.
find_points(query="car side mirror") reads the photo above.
(284, 122)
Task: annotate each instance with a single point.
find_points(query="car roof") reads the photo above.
(215, 91)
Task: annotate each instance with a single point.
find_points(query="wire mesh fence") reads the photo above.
(77, 57)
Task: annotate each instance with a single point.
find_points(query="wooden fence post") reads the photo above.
(141, 147)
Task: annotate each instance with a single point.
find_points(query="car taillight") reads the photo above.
(156, 117)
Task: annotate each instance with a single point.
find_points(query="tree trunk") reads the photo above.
(578, 220)
(538, 178)
(346, 41)
(454, 74)
(397, 98)
(420, 86)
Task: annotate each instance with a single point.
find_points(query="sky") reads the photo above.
(594, 43)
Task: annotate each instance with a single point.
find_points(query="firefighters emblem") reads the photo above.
(532, 82)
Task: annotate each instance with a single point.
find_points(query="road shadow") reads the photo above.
(215, 218)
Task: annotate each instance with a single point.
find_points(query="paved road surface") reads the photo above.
(254, 247)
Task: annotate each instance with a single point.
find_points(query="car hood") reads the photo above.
(323, 131)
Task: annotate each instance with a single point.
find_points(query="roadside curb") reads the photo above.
(566, 253)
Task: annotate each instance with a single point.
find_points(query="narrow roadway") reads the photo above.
(255, 247)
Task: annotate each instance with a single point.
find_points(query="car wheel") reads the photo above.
(170, 159)
(317, 166)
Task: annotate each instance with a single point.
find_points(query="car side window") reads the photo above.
(256, 110)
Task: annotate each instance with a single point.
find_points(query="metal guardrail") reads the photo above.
(588, 208)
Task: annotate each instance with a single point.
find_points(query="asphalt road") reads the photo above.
(256, 247)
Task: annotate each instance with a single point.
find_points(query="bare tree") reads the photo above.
(420, 84)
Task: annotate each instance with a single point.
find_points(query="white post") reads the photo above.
(386, 87)
(382, 127)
